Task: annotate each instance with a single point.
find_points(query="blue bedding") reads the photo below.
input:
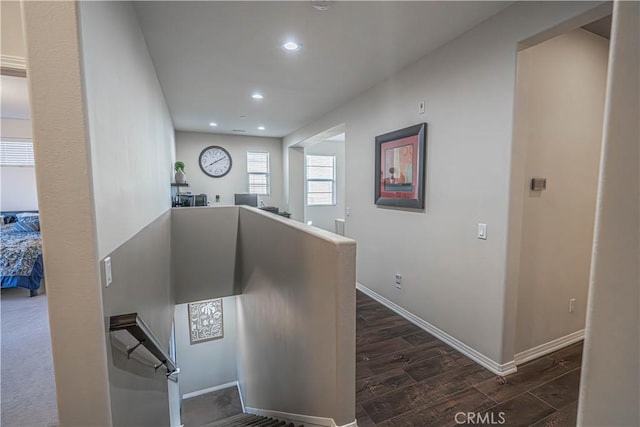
(20, 259)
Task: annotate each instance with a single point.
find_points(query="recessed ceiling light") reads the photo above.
(213, 124)
(291, 46)
(260, 127)
(257, 95)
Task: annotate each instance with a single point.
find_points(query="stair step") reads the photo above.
(250, 420)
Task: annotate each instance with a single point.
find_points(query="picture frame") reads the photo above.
(205, 320)
(400, 166)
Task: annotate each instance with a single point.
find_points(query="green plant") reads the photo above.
(179, 166)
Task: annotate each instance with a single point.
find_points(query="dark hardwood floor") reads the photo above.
(407, 377)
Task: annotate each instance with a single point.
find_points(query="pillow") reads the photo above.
(26, 226)
(27, 214)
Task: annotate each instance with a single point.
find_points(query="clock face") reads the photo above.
(215, 161)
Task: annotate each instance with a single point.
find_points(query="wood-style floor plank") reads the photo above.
(381, 384)
(407, 377)
(565, 417)
(533, 374)
(561, 391)
(522, 410)
(443, 413)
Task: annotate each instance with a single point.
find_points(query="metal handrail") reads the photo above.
(139, 330)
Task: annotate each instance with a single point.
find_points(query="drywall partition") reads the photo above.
(610, 383)
(67, 214)
(296, 318)
(141, 272)
(132, 148)
(562, 82)
(131, 132)
(451, 279)
(219, 356)
(189, 145)
(204, 252)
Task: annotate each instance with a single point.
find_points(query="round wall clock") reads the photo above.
(215, 161)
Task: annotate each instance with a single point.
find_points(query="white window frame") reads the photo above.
(16, 152)
(308, 180)
(267, 174)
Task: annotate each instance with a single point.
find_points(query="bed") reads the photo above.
(21, 262)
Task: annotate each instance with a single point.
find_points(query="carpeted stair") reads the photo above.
(245, 420)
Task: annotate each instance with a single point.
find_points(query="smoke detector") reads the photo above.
(321, 5)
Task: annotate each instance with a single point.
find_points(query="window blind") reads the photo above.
(258, 171)
(16, 153)
(321, 175)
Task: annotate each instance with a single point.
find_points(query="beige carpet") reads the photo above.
(27, 388)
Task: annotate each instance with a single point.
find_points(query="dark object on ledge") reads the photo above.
(272, 209)
(276, 210)
(246, 199)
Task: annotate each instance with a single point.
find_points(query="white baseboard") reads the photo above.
(211, 389)
(307, 420)
(549, 347)
(495, 367)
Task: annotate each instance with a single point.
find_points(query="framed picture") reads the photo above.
(400, 167)
(205, 320)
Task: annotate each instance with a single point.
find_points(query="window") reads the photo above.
(16, 153)
(321, 180)
(258, 170)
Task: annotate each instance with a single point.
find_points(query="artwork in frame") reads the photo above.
(205, 320)
(400, 167)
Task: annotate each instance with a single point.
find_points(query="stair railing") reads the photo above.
(140, 331)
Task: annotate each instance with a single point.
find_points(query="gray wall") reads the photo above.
(469, 89)
(210, 363)
(610, 383)
(562, 84)
(141, 270)
(296, 328)
(189, 145)
(130, 129)
(132, 147)
(204, 252)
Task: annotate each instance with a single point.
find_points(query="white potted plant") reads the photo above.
(180, 176)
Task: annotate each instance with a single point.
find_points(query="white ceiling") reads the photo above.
(210, 56)
(14, 97)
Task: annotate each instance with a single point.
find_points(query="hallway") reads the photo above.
(407, 377)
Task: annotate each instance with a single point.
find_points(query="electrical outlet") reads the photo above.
(572, 305)
(421, 107)
(107, 271)
(398, 281)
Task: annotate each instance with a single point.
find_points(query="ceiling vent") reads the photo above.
(239, 130)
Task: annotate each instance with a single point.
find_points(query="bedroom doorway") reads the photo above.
(28, 394)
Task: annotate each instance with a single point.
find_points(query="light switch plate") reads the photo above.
(107, 271)
(421, 107)
(482, 231)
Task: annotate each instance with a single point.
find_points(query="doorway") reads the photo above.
(317, 178)
(560, 93)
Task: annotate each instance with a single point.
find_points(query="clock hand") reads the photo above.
(214, 162)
